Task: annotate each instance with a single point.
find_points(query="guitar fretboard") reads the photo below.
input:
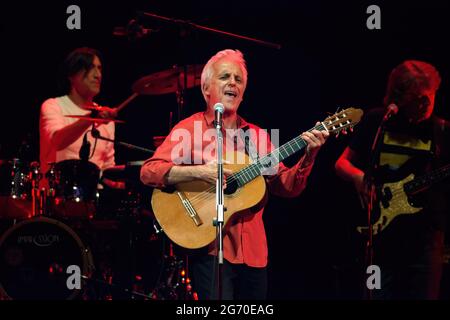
(425, 181)
(270, 160)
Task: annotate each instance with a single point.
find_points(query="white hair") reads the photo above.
(207, 72)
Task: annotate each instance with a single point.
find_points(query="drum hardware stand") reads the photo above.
(110, 284)
(96, 134)
(176, 284)
(36, 195)
(48, 194)
(104, 277)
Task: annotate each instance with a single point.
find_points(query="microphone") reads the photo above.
(133, 31)
(85, 148)
(218, 112)
(391, 110)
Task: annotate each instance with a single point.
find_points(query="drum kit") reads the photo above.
(74, 220)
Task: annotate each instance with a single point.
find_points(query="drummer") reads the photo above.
(63, 137)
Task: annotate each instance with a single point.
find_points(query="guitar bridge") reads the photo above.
(190, 209)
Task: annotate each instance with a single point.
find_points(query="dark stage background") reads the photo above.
(328, 59)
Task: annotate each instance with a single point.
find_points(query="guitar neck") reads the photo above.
(423, 182)
(270, 160)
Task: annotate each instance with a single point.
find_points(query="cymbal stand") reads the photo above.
(37, 205)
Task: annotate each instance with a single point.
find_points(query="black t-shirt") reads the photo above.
(406, 148)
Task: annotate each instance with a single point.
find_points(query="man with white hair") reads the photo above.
(224, 80)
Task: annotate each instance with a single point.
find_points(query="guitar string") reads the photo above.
(434, 172)
(400, 192)
(247, 170)
(205, 195)
(202, 196)
(247, 174)
(349, 123)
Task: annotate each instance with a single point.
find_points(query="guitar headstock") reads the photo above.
(343, 120)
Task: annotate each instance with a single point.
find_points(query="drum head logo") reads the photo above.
(40, 240)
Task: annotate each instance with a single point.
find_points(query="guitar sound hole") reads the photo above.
(231, 187)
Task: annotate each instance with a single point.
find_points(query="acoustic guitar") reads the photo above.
(186, 212)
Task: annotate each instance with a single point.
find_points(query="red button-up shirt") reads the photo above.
(245, 238)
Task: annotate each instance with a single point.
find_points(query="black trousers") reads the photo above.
(239, 281)
(410, 257)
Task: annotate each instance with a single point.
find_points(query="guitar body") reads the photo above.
(397, 205)
(195, 230)
(393, 197)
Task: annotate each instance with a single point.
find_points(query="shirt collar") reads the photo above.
(241, 123)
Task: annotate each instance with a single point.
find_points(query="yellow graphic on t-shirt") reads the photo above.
(404, 141)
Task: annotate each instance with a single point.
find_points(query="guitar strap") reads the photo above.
(250, 148)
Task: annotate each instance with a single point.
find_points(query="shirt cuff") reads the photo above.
(304, 170)
(155, 174)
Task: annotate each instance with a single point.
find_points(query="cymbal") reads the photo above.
(96, 120)
(169, 81)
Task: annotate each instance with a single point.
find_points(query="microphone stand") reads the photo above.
(370, 182)
(96, 134)
(192, 25)
(218, 222)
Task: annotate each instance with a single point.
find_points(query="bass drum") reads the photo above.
(34, 258)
